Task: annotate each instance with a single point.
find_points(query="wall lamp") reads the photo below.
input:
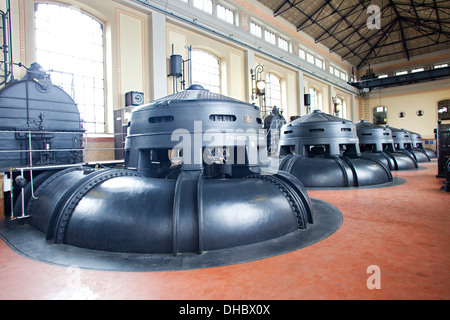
(258, 83)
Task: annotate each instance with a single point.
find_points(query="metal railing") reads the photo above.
(35, 143)
(6, 45)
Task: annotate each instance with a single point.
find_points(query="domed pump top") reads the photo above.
(319, 133)
(196, 130)
(375, 138)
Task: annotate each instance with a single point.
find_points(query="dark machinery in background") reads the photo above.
(192, 182)
(372, 82)
(322, 151)
(39, 123)
(273, 124)
(443, 149)
(178, 69)
(417, 144)
(6, 59)
(377, 142)
(40, 133)
(446, 186)
(404, 144)
(121, 121)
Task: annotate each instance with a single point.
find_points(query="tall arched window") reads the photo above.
(206, 70)
(70, 43)
(380, 115)
(314, 99)
(273, 90)
(444, 109)
(340, 107)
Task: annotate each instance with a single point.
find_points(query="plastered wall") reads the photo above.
(409, 99)
(131, 60)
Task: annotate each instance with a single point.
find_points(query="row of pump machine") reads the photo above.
(221, 190)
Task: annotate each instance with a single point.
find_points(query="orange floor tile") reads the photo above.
(404, 230)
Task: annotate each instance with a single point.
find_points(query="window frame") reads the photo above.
(217, 87)
(272, 87)
(253, 27)
(314, 93)
(196, 4)
(270, 37)
(283, 44)
(93, 111)
(227, 10)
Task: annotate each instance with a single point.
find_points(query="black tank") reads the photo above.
(193, 181)
(377, 142)
(39, 123)
(322, 151)
(403, 141)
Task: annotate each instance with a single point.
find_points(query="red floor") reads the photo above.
(404, 230)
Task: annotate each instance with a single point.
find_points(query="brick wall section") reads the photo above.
(265, 16)
(99, 149)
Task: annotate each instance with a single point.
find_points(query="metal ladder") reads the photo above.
(366, 106)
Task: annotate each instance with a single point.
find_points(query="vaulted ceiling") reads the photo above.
(352, 30)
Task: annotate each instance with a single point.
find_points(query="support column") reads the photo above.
(330, 99)
(249, 63)
(301, 94)
(158, 44)
(353, 106)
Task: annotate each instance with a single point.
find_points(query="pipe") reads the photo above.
(155, 207)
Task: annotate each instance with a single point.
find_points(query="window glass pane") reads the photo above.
(444, 109)
(417, 70)
(69, 44)
(205, 5)
(302, 54)
(314, 99)
(269, 37)
(380, 115)
(256, 30)
(283, 44)
(319, 63)
(441, 66)
(225, 14)
(340, 107)
(206, 70)
(273, 90)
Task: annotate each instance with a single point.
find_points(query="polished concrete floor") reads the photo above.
(394, 243)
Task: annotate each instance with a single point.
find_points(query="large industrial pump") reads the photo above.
(323, 151)
(196, 179)
(40, 123)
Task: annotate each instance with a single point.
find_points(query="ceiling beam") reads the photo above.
(385, 34)
(292, 4)
(340, 25)
(402, 32)
(309, 17)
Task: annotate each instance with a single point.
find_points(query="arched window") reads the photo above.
(70, 44)
(206, 70)
(380, 115)
(314, 99)
(273, 90)
(340, 107)
(444, 110)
